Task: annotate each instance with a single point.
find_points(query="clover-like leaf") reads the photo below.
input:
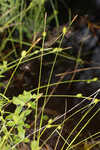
(22, 99)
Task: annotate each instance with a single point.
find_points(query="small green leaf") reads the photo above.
(22, 99)
(16, 139)
(34, 96)
(45, 117)
(34, 145)
(21, 132)
(25, 113)
(17, 101)
(26, 140)
(10, 123)
(10, 116)
(32, 105)
(18, 110)
(27, 126)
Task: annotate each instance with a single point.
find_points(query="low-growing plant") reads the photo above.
(13, 126)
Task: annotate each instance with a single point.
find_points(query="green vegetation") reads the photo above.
(23, 24)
